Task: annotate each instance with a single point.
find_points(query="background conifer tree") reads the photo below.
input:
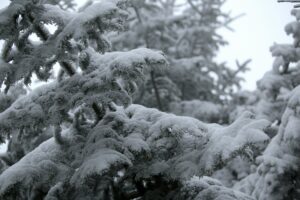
(187, 32)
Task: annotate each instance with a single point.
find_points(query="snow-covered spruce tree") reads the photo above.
(86, 79)
(187, 33)
(136, 152)
(278, 175)
(269, 101)
(102, 147)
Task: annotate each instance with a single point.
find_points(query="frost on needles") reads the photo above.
(137, 149)
(79, 136)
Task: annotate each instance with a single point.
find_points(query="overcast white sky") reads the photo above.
(254, 33)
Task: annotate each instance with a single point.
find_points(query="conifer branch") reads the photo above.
(44, 34)
(57, 135)
(156, 91)
(67, 67)
(99, 111)
(6, 50)
(6, 159)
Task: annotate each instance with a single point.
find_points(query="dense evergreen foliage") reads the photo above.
(81, 133)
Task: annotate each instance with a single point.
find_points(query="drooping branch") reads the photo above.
(66, 66)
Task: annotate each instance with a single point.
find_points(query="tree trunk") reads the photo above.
(156, 91)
